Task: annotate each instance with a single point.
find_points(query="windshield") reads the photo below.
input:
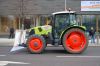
(65, 19)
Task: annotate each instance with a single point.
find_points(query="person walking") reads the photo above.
(11, 32)
(92, 35)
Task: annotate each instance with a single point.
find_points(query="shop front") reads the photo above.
(6, 22)
(90, 21)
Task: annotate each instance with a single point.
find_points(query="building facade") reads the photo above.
(36, 12)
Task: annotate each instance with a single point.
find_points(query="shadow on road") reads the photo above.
(48, 50)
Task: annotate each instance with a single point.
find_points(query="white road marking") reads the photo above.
(78, 56)
(3, 63)
(2, 55)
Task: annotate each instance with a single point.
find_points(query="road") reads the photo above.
(53, 56)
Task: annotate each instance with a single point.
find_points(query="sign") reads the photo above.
(90, 5)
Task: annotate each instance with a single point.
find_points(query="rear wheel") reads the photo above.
(75, 40)
(36, 44)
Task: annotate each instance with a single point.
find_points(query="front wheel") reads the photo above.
(36, 44)
(75, 40)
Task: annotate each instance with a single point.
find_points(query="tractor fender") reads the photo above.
(80, 27)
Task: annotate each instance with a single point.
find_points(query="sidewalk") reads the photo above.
(94, 44)
(10, 42)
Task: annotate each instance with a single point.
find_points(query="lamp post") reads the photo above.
(65, 5)
(21, 14)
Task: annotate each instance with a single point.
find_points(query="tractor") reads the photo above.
(62, 30)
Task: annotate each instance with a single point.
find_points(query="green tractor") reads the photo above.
(62, 30)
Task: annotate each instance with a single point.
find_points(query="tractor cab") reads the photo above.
(68, 17)
(63, 20)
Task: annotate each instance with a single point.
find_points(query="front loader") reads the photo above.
(62, 30)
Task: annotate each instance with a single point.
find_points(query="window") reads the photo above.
(89, 21)
(63, 21)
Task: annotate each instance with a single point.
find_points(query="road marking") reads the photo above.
(78, 56)
(3, 63)
(2, 55)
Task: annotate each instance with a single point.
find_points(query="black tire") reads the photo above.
(42, 42)
(68, 34)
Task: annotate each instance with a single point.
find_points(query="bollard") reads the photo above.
(97, 39)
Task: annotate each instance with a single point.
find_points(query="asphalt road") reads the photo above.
(53, 56)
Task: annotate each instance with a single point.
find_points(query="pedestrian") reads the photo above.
(92, 35)
(11, 32)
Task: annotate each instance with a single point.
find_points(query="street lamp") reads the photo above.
(21, 14)
(65, 5)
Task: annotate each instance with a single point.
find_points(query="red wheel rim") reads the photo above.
(35, 44)
(75, 41)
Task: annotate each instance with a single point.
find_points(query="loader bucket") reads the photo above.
(20, 40)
